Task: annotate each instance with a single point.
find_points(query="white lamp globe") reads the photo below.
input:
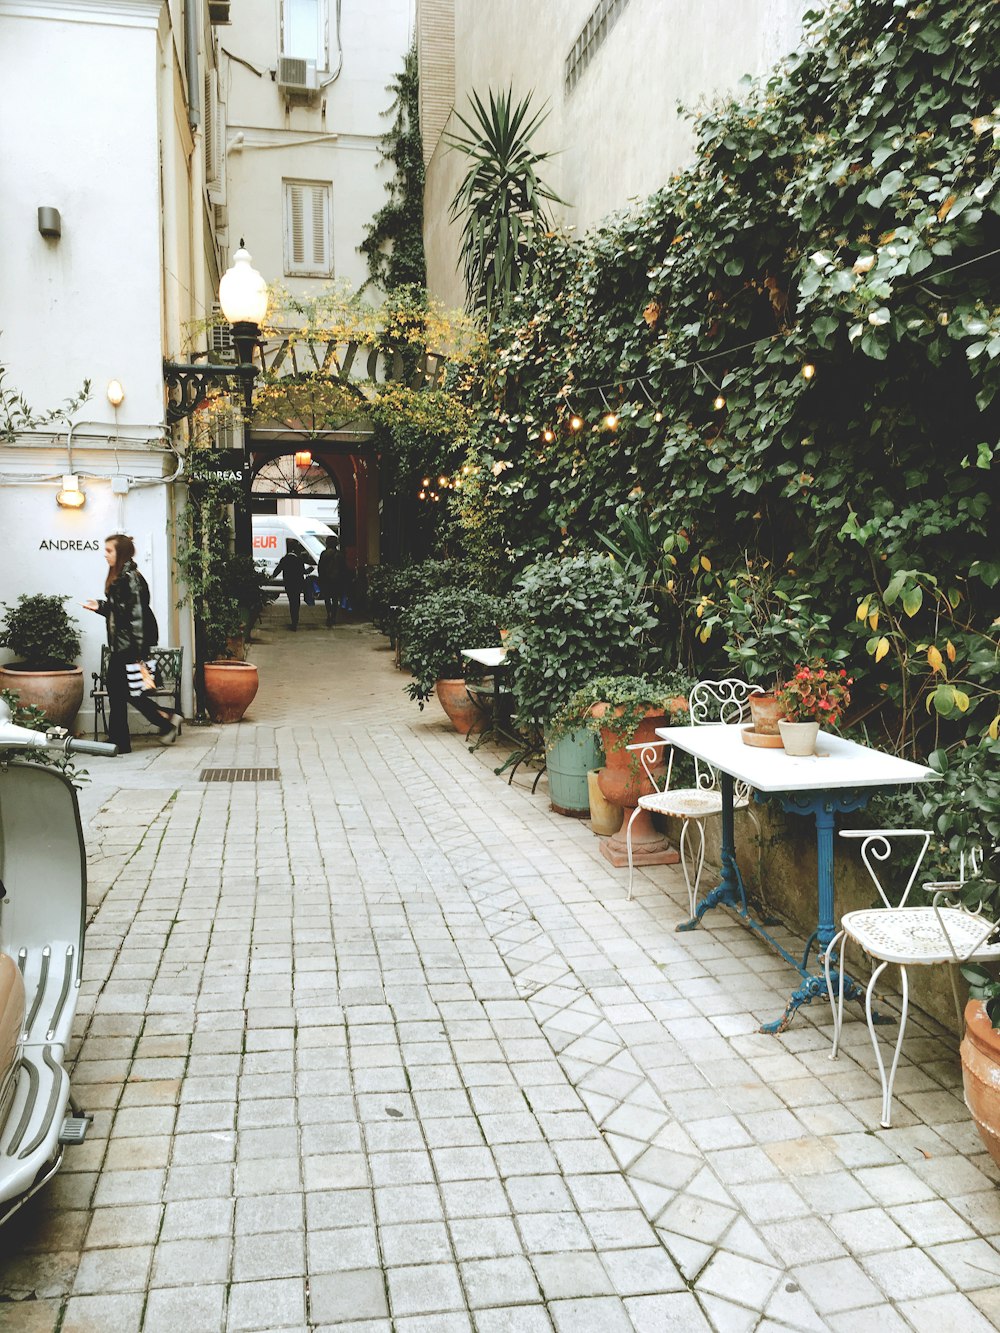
(243, 292)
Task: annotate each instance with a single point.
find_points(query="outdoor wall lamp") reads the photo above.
(71, 496)
(243, 297)
(116, 394)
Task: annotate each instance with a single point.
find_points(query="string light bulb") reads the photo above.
(576, 423)
(547, 436)
(423, 495)
(657, 416)
(442, 481)
(808, 370)
(719, 403)
(611, 421)
(426, 481)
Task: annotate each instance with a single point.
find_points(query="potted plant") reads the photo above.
(816, 695)
(574, 617)
(434, 631)
(627, 710)
(770, 623)
(964, 809)
(46, 641)
(227, 593)
(233, 598)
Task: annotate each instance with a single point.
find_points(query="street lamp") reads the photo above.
(243, 297)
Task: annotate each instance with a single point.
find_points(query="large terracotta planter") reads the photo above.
(981, 1075)
(623, 780)
(465, 715)
(229, 689)
(60, 693)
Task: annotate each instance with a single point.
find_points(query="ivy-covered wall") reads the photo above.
(778, 376)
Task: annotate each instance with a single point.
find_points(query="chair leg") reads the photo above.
(628, 848)
(836, 1005)
(887, 1082)
(959, 1014)
(692, 882)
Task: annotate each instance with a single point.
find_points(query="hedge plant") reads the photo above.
(436, 628)
(573, 618)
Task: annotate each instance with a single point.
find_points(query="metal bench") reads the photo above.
(169, 666)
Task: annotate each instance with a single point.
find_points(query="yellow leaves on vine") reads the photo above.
(934, 659)
(881, 648)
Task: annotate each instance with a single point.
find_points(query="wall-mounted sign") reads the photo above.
(64, 544)
(218, 465)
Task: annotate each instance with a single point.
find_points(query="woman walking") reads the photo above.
(131, 633)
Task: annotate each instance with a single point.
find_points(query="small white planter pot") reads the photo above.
(799, 738)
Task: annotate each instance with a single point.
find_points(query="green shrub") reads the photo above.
(40, 632)
(574, 618)
(436, 629)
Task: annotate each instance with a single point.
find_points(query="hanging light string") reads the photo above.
(808, 369)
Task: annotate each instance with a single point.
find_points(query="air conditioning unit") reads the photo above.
(221, 337)
(297, 78)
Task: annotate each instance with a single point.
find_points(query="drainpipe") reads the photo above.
(192, 12)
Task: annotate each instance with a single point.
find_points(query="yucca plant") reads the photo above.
(501, 200)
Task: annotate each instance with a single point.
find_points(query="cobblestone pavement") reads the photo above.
(382, 1046)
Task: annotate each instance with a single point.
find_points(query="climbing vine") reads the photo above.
(394, 239)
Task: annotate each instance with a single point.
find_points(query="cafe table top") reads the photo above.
(837, 763)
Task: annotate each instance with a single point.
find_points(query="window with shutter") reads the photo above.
(308, 249)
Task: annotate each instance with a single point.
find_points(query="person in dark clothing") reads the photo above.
(330, 574)
(132, 631)
(292, 567)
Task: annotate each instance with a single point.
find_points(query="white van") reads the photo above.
(272, 531)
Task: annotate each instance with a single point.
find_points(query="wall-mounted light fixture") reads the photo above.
(72, 495)
(303, 458)
(50, 223)
(116, 394)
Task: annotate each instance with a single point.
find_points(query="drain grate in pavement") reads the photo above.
(239, 775)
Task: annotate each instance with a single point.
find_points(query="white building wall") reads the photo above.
(333, 140)
(93, 122)
(617, 134)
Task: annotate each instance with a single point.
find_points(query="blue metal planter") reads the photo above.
(568, 762)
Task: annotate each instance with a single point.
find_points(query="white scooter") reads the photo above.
(43, 904)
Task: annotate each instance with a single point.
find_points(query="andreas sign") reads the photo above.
(66, 544)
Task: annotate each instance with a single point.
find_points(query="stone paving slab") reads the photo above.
(383, 1046)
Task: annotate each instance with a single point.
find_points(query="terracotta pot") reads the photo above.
(623, 780)
(981, 1075)
(229, 689)
(798, 738)
(465, 715)
(60, 693)
(765, 712)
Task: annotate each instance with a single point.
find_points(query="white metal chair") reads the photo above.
(907, 936)
(710, 701)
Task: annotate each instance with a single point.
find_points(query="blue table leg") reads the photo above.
(823, 806)
(729, 890)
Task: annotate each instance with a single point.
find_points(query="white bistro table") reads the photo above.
(840, 776)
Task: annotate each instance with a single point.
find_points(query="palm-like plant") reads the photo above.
(501, 198)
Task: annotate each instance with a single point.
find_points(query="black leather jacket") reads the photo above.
(131, 624)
